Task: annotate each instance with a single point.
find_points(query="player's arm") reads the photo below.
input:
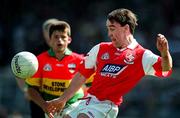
(21, 84)
(35, 96)
(163, 47)
(85, 71)
(75, 85)
(58, 104)
(34, 83)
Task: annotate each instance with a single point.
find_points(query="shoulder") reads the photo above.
(43, 55)
(140, 49)
(76, 55)
(104, 44)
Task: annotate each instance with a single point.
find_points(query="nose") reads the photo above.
(59, 39)
(110, 34)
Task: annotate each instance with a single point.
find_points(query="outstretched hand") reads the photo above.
(55, 106)
(162, 44)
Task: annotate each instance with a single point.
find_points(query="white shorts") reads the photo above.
(94, 108)
(66, 110)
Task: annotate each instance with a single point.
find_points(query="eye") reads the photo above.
(111, 29)
(64, 37)
(56, 36)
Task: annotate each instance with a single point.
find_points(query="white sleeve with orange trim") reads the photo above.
(87, 68)
(148, 60)
(90, 59)
(152, 65)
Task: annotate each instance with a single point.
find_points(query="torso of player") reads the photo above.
(56, 75)
(118, 71)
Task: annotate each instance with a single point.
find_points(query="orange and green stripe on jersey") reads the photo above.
(54, 76)
(89, 81)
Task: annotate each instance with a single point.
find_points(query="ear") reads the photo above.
(127, 28)
(69, 40)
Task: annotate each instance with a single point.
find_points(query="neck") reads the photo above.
(59, 55)
(128, 41)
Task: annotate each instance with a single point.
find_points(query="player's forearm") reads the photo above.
(75, 85)
(36, 97)
(166, 61)
(21, 84)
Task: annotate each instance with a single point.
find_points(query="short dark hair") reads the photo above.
(47, 23)
(123, 17)
(60, 26)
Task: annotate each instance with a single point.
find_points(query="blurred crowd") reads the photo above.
(20, 29)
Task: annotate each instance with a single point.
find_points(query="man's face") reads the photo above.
(59, 41)
(116, 33)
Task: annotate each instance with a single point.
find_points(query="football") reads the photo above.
(24, 65)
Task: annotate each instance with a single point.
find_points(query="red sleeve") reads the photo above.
(158, 69)
(84, 71)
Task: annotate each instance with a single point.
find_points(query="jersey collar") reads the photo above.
(51, 52)
(130, 46)
(133, 44)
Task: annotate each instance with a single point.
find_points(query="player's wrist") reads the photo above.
(164, 54)
(63, 99)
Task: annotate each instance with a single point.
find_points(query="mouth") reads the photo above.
(113, 39)
(59, 45)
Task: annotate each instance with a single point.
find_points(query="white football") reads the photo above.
(24, 64)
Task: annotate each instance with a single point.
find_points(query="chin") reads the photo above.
(58, 49)
(115, 45)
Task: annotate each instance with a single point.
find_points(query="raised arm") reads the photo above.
(163, 47)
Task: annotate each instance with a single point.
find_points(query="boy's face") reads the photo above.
(59, 41)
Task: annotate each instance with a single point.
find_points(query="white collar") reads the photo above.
(133, 44)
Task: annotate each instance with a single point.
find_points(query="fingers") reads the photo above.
(51, 115)
(51, 108)
(162, 43)
(55, 106)
(161, 39)
(160, 36)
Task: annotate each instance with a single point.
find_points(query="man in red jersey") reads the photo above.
(118, 65)
(57, 67)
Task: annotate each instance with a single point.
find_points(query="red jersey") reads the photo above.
(54, 76)
(119, 70)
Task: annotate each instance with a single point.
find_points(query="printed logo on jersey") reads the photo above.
(112, 70)
(47, 67)
(129, 57)
(72, 67)
(91, 114)
(59, 65)
(105, 56)
(117, 53)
